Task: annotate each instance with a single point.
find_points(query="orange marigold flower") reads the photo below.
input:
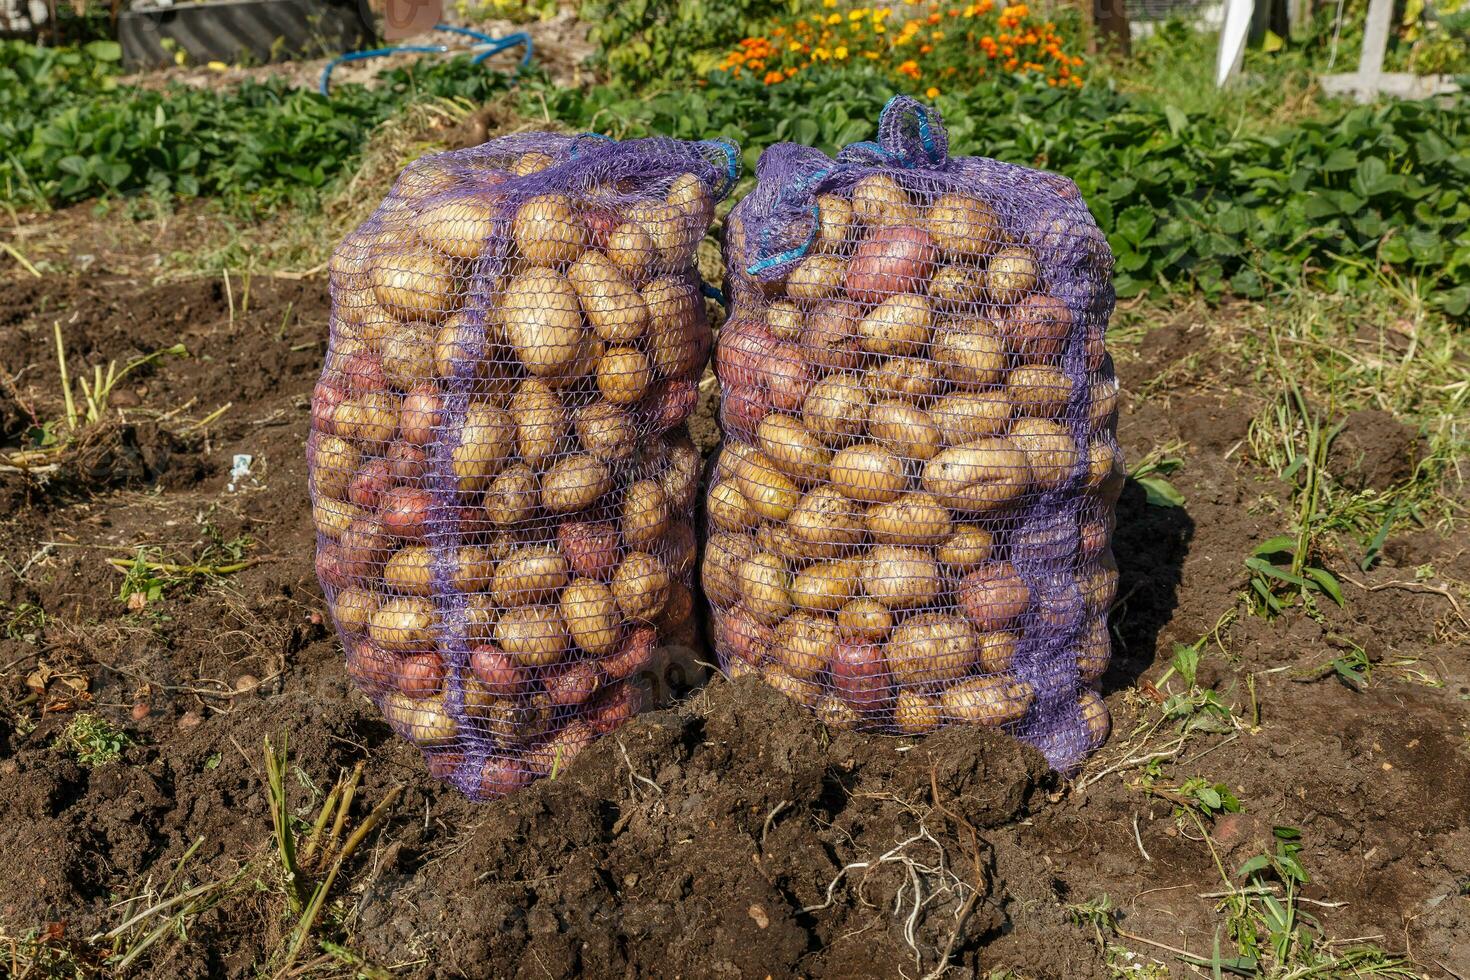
(933, 18)
(932, 92)
(1052, 82)
(1007, 51)
(772, 77)
(925, 48)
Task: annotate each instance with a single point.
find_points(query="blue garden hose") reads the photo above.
(486, 47)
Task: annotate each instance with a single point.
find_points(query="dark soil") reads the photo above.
(707, 840)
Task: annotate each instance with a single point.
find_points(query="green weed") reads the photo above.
(93, 740)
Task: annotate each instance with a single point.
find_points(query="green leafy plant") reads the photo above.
(646, 41)
(1151, 474)
(93, 740)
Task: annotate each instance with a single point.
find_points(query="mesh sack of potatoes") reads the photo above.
(909, 520)
(500, 477)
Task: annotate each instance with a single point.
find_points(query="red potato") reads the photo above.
(892, 260)
(746, 638)
(668, 404)
(498, 672)
(788, 379)
(1037, 328)
(573, 685)
(501, 776)
(363, 548)
(325, 397)
(741, 353)
(419, 415)
(371, 668)
(742, 408)
(633, 655)
(367, 486)
(614, 706)
(405, 513)
(591, 548)
(421, 675)
(860, 675)
(993, 596)
(406, 461)
(329, 569)
(364, 373)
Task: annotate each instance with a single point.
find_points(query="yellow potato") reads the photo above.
(458, 226)
(784, 319)
(484, 444)
(910, 379)
(978, 476)
(613, 306)
(770, 493)
(606, 431)
(536, 636)
(728, 509)
(970, 352)
(826, 586)
(869, 473)
(765, 587)
(415, 285)
(1049, 448)
(914, 519)
(803, 644)
(963, 225)
(930, 648)
(964, 416)
(592, 616)
(899, 325)
(631, 249)
(531, 574)
(900, 578)
(641, 586)
(623, 375)
(834, 222)
(967, 548)
(836, 408)
(905, 430)
(402, 624)
(792, 448)
(816, 277)
(915, 713)
(825, 523)
(719, 571)
(548, 230)
(864, 619)
(574, 484)
(645, 515)
(1011, 274)
(879, 201)
(542, 320)
(541, 422)
(990, 701)
(1039, 390)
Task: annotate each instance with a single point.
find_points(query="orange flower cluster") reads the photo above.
(937, 40)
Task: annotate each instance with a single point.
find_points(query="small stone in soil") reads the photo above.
(190, 719)
(246, 683)
(140, 710)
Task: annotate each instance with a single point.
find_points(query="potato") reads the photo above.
(740, 637)
(484, 444)
(784, 319)
(963, 226)
(1095, 719)
(878, 201)
(770, 493)
(900, 578)
(353, 609)
(905, 430)
(993, 596)
(592, 616)
(966, 548)
(591, 547)
(1011, 274)
(548, 230)
(997, 651)
(542, 320)
(970, 352)
(979, 476)
(869, 473)
(836, 408)
(803, 644)
(672, 231)
(606, 431)
(480, 616)
(956, 287)
(719, 573)
(765, 587)
(530, 574)
(641, 586)
(891, 261)
(1095, 650)
(1102, 408)
(613, 306)
(574, 483)
(913, 519)
(910, 379)
(423, 722)
(680, 548)
(409, 571)
(865, 620)
(778, 540)
(408, 357)
(816, 277)
(681, 473)
(536, 636)
(1049, 449)
(631, 249)
(333, 463)
(678, 332)
(529, 163)
(990, 701)
(369, 418)
(402, 624)
(623, 375)
(1037, 328)
(826, 586)
(415, 285)
(728, 509)
(420, 415)
(1039, 391)
(931, 648)
(792, 448)
(645, 515)
(458, 226)
(829, 340)
(1100, 584)
(512, 496)
(1105, 473)
(964, 416)
(915, 713)
(406, 512)
(899, 325)
(689, 194)
(540, 420)
(834, 222)
(825, 523)
(799, 690)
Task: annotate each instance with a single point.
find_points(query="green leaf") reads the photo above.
(1258, 863)
(1274, 571)
(1325, 582)
(1159, 492)
(104, 50)
(1276, 545)
(1178, 121)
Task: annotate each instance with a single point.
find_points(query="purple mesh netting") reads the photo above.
(909, 522)
(501, 480)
